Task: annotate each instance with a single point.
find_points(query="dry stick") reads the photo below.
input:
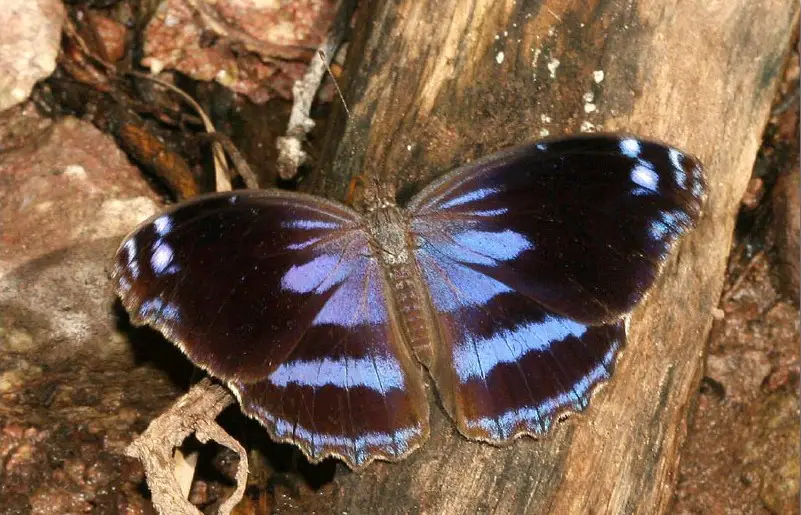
(735, 287)
(195, 413)
(222, 178)
(240, 163)
(327, 63)
(290, 152)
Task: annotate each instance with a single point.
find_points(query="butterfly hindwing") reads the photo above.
(341, 391)
(506, 366)
(280, 296)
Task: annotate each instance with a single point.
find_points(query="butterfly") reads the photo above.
(505, 285)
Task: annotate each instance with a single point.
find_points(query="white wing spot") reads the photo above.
(678, 170)
(630, 147)
(161, 259)
(163, 225)
(645, 176)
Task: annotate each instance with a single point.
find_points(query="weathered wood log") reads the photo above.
(432, 85)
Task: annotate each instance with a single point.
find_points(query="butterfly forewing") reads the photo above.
(531, 258)
(281, 296)
(581, 225)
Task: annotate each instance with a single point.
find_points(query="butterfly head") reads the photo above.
(378, 195)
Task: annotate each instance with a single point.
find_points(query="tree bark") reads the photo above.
(432, 85)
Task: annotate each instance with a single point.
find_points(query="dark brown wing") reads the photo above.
(280, 296)
(581, 225)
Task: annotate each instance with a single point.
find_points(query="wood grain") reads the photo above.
(432, 85)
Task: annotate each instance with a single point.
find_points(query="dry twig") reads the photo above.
(195, 413)
(290, 152)
(240, 163)
(727, 295)
(222, 175)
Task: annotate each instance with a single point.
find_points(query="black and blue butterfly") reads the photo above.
(506, 284)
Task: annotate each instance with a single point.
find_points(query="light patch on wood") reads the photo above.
(553, 64)
(534, 60)
(442, 69)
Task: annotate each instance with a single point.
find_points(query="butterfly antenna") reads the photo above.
(336, 85)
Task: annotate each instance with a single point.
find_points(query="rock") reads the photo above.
(776, 426)
(30, 39)
(199, 40)
(740, 374)
(68, 195)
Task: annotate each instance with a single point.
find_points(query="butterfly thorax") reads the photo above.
(393, 245)
(389, 230)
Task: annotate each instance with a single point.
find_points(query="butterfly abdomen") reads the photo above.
(411, 303)
(389, 229)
